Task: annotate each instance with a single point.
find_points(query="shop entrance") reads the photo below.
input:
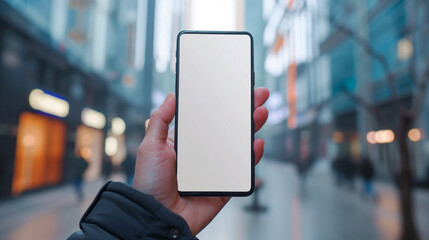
(89, 146)
(39, 152)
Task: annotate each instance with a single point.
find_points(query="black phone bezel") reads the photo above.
(252, 74)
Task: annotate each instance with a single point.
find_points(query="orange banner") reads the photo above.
(291, 95)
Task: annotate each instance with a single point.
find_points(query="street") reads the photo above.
(318, 210)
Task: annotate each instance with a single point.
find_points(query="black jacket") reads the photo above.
(122, 212)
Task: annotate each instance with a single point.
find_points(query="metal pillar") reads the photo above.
(148, 67)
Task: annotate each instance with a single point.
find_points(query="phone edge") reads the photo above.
(252, 88)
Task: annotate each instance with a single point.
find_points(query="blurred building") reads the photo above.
(310, 114)
(290, 68)
(72, 71)
(394, 29)
(70, 88)
(173, 16)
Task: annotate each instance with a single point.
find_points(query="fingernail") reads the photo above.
(168, 97)
(146, 124)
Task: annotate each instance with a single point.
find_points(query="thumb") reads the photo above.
(161, 118)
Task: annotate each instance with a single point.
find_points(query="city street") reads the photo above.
(318, 210)
(338, 91)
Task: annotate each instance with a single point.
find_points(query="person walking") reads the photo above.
(367, 174)
(128, 166)
(79, 167)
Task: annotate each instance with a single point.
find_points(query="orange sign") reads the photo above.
(289, 5)
(39, 152)
(291, 95)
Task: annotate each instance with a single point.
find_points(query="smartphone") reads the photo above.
(214, 129)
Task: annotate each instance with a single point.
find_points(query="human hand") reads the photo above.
(155, 172)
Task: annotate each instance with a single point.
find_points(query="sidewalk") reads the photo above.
(316, 210)
(48, 214)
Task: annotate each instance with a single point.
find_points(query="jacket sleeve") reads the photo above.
(122, 212)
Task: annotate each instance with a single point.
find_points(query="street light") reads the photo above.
(415, 135)
(111, 146)
(118, 126)
(93, 118)
(381, 136)
(370, 137)
(48, 103)
(338, 137)
(384, 136)
(405, 49)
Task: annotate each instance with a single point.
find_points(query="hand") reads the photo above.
(155, 172)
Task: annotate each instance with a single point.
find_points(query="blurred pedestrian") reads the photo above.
(426, 180)
(107, 168)
(336, 168)
(128, 166)
(79, 167)
(367, 174)
(345, 171)
(350, 171)
(303, 167)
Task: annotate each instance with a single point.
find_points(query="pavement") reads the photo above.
(296, 210)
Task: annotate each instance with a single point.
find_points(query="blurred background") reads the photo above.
(346, 154)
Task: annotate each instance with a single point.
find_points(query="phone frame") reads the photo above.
(252, 83)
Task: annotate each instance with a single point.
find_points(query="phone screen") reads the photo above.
(214, 123)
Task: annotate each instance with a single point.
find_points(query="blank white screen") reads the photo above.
(214, 113)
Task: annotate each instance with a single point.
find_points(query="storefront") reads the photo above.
(39, 152)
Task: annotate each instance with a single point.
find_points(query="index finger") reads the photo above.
(261, 95)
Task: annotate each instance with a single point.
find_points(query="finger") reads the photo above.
(261, 95)
(170, 138)
(258, 147)
(161, 118)
(171, 133)
(260, 116)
